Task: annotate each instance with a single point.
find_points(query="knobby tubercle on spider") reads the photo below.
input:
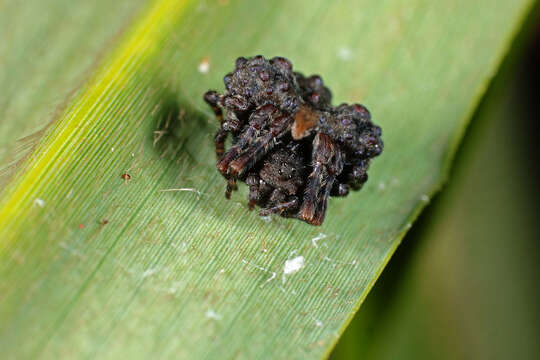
(289, 144)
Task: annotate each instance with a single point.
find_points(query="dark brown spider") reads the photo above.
(274, 184)
(289, 144)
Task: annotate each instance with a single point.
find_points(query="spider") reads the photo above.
(275, 184)
(281, 120)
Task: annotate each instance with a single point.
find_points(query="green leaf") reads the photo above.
(460, 289)
(47, 51)
(93, 265)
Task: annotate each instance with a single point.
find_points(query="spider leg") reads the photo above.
(332, 188)
(256, 122)
(323, 201)
(212, 98)
(231, 186)
(278, 198)
(279, 208)
(327, 165)
(266, 124)
(255, 189)
(321, 155)
(260, 146)
(219, 141)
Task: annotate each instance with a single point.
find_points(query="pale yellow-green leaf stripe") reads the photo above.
(138, 45)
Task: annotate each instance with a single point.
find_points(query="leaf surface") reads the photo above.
(93, 265)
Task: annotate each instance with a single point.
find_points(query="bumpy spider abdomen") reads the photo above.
(257, 81)
(292, 148)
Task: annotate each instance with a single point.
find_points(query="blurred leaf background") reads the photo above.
(446, 294)
(464, 282)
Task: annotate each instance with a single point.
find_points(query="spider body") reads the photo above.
(275, 185)
(292, 148)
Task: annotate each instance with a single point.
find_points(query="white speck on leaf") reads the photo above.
(112, 149)
(318, 323)
(424, 198)
(292, 266)
(344, 53)
(317, 238)
(204, 65)
(382, 186)
(39, 202)
(266, 219)
(211, 314)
